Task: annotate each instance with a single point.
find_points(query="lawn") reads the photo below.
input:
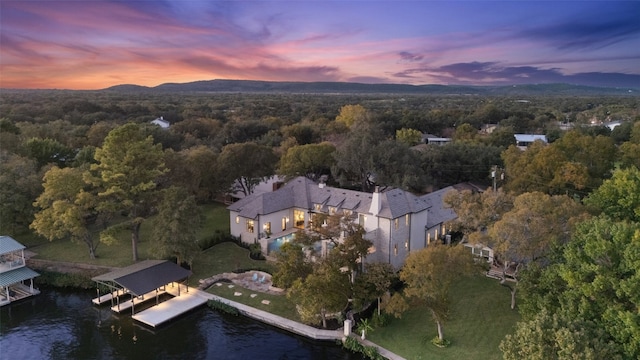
(480, 318)
(225, 257)
(120, 253)
(279, 304)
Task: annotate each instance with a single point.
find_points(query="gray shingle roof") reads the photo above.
(304, 193)
(438, 213)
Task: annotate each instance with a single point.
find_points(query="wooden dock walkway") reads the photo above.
(125, 305)
(107, 297)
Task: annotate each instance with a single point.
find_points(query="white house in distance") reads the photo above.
(14, 273)
(524, 140)
(396, 221)
(161, 122)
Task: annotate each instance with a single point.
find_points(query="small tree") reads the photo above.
(327, 290)
(291, 265)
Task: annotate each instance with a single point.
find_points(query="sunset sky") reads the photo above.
(94, 44)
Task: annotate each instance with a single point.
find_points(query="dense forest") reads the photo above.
(563, 218)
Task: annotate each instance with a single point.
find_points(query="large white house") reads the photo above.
(396, 221)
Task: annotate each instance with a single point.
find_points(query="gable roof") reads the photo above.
(304, 193)
(8, 244)
(437, 211)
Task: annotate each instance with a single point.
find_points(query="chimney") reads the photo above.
(376, 202)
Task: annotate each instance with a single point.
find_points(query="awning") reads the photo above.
(17, 275)
(145, 276)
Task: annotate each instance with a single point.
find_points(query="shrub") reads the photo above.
(218, 237)
(371, 352)
(223, 307)
(381, 320)
(64, 280)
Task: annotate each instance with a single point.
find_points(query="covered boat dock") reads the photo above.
(145, 281)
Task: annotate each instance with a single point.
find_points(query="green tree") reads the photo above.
(46, 151)
(409, 137)
(67, 208)
(428, 274)
(476, 212)
(323, 292)
(20, 184)
(554, 336)
(176, 226)
(465, 132)
(129, 165)
(311, 160)
(352, 114)
(291, 265)
(245, 165)
(354, 163)
(527, 233)
(376, 280)
(395, 164)
(619, 197)
(602, 279)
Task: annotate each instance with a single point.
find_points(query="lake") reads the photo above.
(64, 324)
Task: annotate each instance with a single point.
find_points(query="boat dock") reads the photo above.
(108, 297)
(171, 308)
(126, 305)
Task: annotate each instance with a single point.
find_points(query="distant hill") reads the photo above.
(251, 86)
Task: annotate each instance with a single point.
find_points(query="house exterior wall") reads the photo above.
(418, 235)
(399, 241)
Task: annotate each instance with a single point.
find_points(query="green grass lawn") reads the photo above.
(480, 318)
(120, 253)
(279, 304)
(224, 257)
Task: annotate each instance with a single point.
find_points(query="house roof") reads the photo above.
(16, 275)
(304, 193)
(437, 212)
(8, 244)
(145, 276)
(529, 137)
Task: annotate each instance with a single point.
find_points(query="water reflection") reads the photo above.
(60, 324)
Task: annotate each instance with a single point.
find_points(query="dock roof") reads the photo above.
(145, 276)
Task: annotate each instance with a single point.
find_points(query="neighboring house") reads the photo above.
(161, 122)
(397, 222)
(14, 273)
(524, 140)
(432, 139)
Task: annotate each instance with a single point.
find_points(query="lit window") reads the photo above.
(406, 245)
(406, 219)
(428, 238)
(267, 227)
(396, 223)
(237, 219)
(317, 207)
(347, 212)
(332, 210)
(395, 249)
(250, 226)
(362, 219)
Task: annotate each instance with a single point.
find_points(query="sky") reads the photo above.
(95, 44)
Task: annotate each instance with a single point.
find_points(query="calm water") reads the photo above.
(59, 324)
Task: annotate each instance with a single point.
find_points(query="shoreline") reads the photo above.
(291, 326)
